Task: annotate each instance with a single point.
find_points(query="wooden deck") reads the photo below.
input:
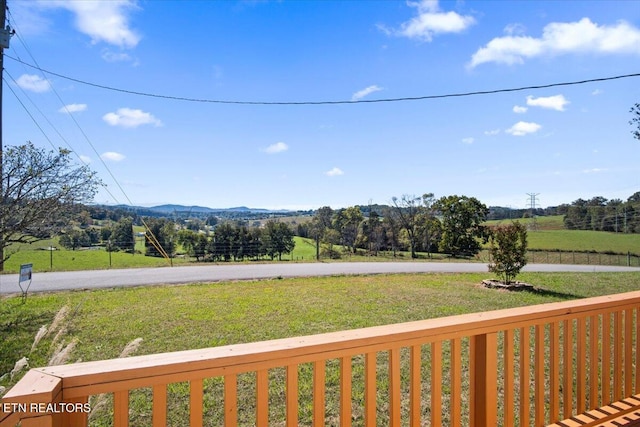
(528, 366)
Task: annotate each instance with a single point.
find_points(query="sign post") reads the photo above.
(26, 271)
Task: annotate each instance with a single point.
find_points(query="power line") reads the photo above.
(360, 101)
(151, 236)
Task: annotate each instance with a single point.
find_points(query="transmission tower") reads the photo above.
(533, 204)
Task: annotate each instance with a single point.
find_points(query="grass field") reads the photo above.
(551, 236)
(100, 323)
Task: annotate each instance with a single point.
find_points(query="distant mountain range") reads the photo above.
(171, 209)
(203, 209)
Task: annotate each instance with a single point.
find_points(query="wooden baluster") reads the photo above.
(159, 417)
(345, 391)
(230, 400)
(581, 361)
(456, 383)
(554, 372)
(436, 383)
(509, 374)
(628, 351)
(525, 366)
(196, 403)
(567, 368)
(416, 383)
(538, 369)
(319, 393)
(292, 396)
(121, 408)
(594, 386)
(606, 359)
(394, 387)
(262, 398)
(370, 389)
(617, 356)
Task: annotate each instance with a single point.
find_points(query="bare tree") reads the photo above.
(40, 191)
(410, 211)
(635, 121)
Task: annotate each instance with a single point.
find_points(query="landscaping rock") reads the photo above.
(514, 286)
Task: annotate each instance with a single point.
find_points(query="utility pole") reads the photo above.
(5, 34)
(533, 205)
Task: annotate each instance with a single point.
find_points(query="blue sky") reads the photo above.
(562, 142)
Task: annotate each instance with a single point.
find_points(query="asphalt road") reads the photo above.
(93, 279)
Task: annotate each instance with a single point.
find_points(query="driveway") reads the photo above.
(94, 279)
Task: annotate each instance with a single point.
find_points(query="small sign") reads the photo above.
(26, 271)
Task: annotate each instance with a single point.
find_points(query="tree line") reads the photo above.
(451, 224)
(229, 240)
(600, 214)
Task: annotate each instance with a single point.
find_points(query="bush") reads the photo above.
(508, 251)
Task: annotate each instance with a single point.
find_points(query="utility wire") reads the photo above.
(24, 44)
(360, 101)
(150, 236)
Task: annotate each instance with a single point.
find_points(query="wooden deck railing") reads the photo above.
(523, 366)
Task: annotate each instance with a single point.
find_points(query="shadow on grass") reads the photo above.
(554, 294)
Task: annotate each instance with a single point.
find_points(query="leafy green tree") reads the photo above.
(74, 239)
(94, 234)
(508, 251)
(164, 231)
(347, 223)
(193, 242)
(462, 219)
(277, 239)
(221, 246)
(122, 235)
(392, 229)
(410, 212)
(40, 192)
(373, 234)
(320, 224)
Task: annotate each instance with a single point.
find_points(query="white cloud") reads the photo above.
(514, 29)
(597, 92)
(594, 170)
(468, 140)
(278, 147)
(33, 83)
(431, 21)
(103, 21)
(492, 132)
(111, 56)
(556, 102)
(523, 128)
(129, 118)
(85, 159)
(334, 172)
(364, 92)
(73, 108)
(519, 109)
(112, 156)
(559, 38)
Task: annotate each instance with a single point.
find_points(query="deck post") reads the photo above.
(36, 399)
(484, 380)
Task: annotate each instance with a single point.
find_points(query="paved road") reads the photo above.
(210, 273)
